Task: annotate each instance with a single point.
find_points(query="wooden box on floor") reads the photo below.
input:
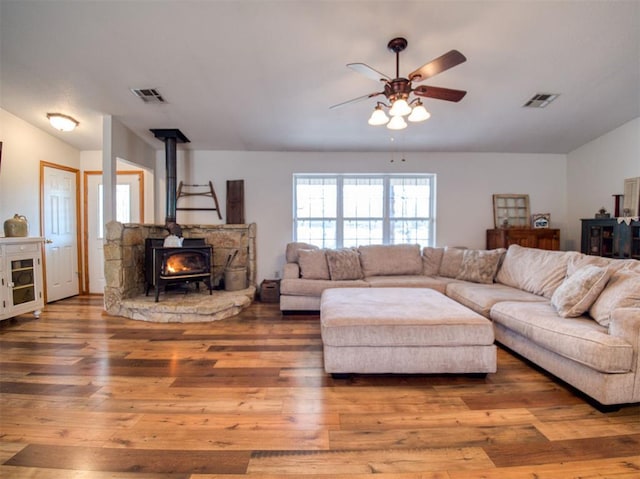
(270, 291)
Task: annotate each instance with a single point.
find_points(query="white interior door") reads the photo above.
(128, 210)
(60, 230)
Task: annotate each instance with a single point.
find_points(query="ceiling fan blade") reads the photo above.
(438, 93)
(367, 71)
(440, 64)
(356, 100)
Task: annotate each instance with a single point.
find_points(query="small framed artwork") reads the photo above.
(511, 211)
(631, 201)
(540, 220)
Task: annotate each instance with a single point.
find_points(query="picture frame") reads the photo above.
(631, 201)
(511, 211)
(540, 220)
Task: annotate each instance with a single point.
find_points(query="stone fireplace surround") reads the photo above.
(124, 293)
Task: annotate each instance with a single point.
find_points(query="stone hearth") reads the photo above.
(124, 274)
(192, 307)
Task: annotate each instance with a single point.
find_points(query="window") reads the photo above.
(335, 211)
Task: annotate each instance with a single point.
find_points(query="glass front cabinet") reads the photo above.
(607, 237)
(20, 277)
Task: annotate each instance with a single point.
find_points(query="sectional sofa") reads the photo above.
(576, 316)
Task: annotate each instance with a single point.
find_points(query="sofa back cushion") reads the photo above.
(534, 270)
(451, 262)
(388, 260)
(431, 260)
(292, 250)
(581, 260)
(622, 291)
(313, 264)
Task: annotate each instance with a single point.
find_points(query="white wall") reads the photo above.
(596, 171)
(465, 184)
(23, 148)
(119, 143)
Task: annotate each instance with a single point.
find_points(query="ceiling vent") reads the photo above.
(540, 100)
(148, 95)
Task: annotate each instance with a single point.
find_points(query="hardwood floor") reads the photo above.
(87, 395)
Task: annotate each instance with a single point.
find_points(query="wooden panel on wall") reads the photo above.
(235, 202)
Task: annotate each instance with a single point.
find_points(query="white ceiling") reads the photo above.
(261, 75)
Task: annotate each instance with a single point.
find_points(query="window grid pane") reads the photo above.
(363, 198)
(316, 198)
(321, 233)
(410, 231)
(362, 232)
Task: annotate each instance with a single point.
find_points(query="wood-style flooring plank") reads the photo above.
(566, 450)
(131, 460)
(367, 462)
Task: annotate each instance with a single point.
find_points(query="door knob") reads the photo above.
(48, 241)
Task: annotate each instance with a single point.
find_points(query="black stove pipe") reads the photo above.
(171, 137)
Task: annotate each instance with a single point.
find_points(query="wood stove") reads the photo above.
(190, 263)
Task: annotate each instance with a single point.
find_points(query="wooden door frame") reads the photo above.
(85, 229)
(43, 165)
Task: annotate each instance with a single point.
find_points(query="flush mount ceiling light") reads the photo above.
(62, 122)
(398, 90)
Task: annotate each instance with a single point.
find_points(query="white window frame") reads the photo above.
(386, 219)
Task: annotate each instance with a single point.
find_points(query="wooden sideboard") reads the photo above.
(543, 238)
(607, 237)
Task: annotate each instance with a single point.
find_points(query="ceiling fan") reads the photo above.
(397, 90)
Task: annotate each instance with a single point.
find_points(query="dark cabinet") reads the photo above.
(543, 238)
(607, 237)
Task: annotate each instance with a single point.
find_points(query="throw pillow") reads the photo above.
(431, 260)
(293, 248)
(578, 292)
(344, 264)
(622, 291)
(313, 264)
(451, 262)
(480, 266)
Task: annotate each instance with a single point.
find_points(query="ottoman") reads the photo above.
(403, 330)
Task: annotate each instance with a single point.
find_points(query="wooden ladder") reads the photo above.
(198, 190)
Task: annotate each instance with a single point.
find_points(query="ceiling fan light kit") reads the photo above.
(397, 123)
(378, 117)
(399, 89)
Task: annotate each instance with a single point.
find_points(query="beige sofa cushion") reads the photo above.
(579, 339)
(315, 287)
(313, 264)
(481, 297)
(431, 260)
(534, 270)
(383, 260)
(578, 292)
(292, 250)
(409, 281)
(344, 264)
(451, 262)
(480, 266)
(581, 260)
(622, 291)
